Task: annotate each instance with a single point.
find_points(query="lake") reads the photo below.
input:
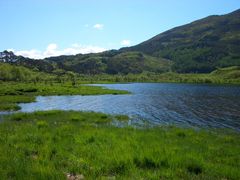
(197, 105)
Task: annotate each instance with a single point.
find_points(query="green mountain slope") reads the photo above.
(111, 62)
(41, 65)
(12, 72)
(200, 46)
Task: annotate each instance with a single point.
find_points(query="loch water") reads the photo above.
(197, 105)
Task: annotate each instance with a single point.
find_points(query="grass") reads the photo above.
(9, 102)
(229, 75)
(122, 117)
(12, 93)
(61, 144)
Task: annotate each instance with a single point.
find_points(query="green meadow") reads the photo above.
(77, 145)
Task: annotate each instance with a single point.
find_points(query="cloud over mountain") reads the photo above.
(53, 50)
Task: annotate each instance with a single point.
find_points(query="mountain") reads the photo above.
(8, 57)
(200, 46)
(112, 62)
(109, 62)
(11, 58)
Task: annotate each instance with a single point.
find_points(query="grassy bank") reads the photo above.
(16, 92)
(230, 75)
(56, 145)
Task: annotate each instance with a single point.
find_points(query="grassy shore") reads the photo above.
(36, 83)
(16, 92)
(59, 144)
(229, 75)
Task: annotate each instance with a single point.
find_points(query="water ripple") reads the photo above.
(158, 103)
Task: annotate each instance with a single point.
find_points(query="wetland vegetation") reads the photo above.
(12, 93)
(90, 145)
(60, 144)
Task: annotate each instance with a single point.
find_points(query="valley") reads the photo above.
(166, 108)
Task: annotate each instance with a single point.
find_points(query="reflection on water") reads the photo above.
(158, 103)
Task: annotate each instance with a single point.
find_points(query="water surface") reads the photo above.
(158, 103)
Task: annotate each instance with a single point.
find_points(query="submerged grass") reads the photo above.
(13, 93)
(57, 144)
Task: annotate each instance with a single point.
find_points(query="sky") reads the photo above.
(43, 28)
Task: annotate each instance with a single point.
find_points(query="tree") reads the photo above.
(72, 77)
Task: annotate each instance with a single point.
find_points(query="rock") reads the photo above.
(74, 177)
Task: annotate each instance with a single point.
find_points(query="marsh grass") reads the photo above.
(51, 144)
(121, 117)
(229, 75)
(13, 93)
(9, 102)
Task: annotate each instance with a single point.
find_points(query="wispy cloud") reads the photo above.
(125, 42)
(53, 50)
(98, 26)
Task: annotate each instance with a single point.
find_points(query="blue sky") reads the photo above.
(40, 28)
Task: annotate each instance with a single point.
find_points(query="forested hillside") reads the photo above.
(10, 72)
(200, 46)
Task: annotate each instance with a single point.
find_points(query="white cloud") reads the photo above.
(52, 50)
(31, 53)
(125, 42)
(98, 26)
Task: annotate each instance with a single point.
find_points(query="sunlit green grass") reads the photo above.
(19, 91)
(52, 144)
(8, 102)
(230, 75)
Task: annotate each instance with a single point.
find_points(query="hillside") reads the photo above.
(111, 62)
(11, 72)
(39, 65)
(200, 46)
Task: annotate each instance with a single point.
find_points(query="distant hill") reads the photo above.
(11, 58)
(10, 72)
(200, 46)
(112, 62)
(109, 62)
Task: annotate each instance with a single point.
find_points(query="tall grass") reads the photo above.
(57, 144)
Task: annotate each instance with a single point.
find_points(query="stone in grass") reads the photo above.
(74, 176)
